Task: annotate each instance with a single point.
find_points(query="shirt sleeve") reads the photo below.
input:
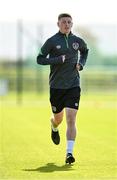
(44, 52)
(83, 54)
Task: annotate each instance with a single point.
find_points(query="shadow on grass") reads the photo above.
(51, 167)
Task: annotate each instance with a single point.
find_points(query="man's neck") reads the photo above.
(67, 34)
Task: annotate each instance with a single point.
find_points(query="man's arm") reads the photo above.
(41, 59)
(42, 56)
(83, 56)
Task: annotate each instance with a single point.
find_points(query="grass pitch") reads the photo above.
(27, 152)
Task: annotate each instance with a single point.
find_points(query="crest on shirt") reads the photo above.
(58, 46)
(75, 45)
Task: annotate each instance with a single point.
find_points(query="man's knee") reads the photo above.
(71, 121)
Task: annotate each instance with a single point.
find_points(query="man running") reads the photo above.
(67, 56)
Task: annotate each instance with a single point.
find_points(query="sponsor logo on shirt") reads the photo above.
(58, 46)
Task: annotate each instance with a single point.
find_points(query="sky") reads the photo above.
(83, 11)
(93, 13)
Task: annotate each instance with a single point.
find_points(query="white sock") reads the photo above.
(70, 145)
(54, 129)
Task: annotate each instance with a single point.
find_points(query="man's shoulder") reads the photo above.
(54, 36)
(77, 37)
(50, 39)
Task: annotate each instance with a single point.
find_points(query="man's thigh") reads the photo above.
(71, 114)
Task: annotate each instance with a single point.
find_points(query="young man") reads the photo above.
(64, 80)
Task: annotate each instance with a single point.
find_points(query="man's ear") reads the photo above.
(58, 24)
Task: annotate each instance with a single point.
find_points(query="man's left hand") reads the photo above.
(78, 67)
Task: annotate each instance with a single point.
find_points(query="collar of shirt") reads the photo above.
(65, 34)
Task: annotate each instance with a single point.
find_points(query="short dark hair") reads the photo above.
(64, 15)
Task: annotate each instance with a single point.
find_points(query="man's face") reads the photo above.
(65, 25)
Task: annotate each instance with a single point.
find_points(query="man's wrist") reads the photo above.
(79, 66)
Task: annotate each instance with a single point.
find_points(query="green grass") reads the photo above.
(28, 153)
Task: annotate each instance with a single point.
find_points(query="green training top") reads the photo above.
(63, 75)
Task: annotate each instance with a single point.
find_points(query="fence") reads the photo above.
(36, 80)
(23, 41)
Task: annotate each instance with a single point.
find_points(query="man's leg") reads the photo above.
(70, 133)
(55, 121)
